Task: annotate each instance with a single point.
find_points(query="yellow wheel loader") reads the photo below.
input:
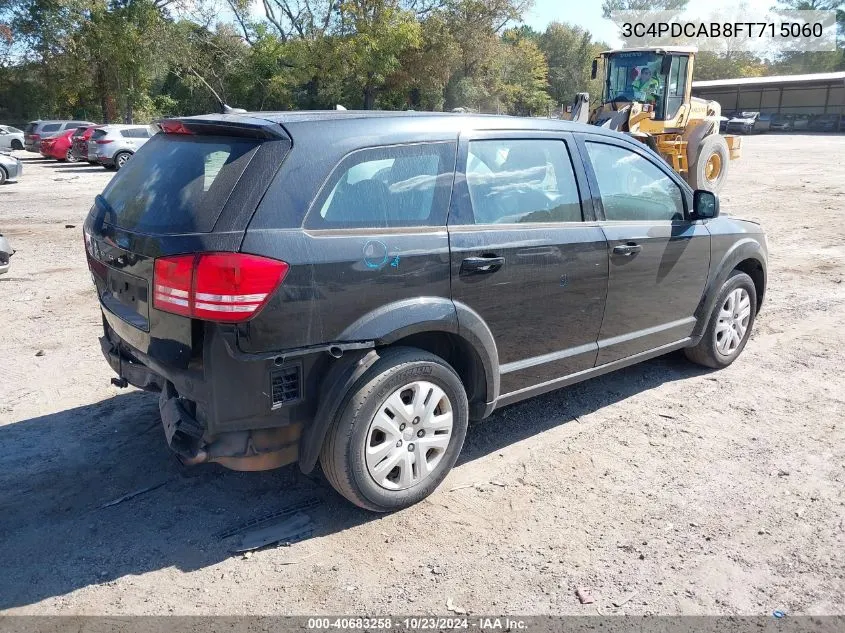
(647, 93)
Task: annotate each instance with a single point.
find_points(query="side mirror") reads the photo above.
(666, 65)
(595, 69)
(705, 205)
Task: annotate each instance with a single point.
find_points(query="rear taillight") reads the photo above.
(103, 142)
(173, 127)
(227, 287)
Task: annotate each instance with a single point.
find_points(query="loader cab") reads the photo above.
(659, 79)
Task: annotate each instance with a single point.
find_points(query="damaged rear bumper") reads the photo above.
(189, 438)
(129, 368)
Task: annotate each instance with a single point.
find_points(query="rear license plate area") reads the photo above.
(127, 297)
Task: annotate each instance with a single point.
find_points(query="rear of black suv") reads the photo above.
(223, 292)
(163, 242)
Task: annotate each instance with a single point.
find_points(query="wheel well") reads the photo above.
(459, 354)
(754, 269)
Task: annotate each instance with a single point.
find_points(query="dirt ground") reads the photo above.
(699, 492)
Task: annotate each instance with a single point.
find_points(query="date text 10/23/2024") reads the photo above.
(420, 623)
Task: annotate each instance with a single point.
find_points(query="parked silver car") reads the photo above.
(112, 145)
(743, 123)
(10, 137)
(37, 130)
(10, 168)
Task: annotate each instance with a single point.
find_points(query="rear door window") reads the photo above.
(384, 187)
(177, 184)
(50, 127)
(514, 181)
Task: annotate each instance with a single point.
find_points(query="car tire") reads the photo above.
(71, 157)
(388, 477)
(16, 144)
(120, 159)
(727, 319)
(3, 176)
(713, 154)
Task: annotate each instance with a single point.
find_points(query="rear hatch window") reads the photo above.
(176, 183)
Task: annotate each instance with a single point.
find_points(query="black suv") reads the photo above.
(354, 288)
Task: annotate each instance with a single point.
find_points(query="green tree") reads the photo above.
(803, 62)
(524, 76)
(570, 51)
(381, 33)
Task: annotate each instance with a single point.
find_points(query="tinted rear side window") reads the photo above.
(522, 180)
(177, 184)
(50, 127)
(384, 187)
(135, 132)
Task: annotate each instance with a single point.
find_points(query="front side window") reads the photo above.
(633, 188)
(385, 187)
(518, 181)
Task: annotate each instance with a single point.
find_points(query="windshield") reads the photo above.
(634, 76)
(176, 184)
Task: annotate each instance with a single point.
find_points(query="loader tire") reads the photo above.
(710, 169)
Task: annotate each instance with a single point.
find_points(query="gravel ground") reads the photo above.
(699, 492)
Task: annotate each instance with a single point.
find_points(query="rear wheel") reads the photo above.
(399, 432)
(2, 176)
(70, 156)
(710, 169)
(730, 323)
(121, 158)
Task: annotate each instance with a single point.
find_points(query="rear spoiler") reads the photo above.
(224, 125)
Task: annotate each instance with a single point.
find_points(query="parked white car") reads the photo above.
(10, 137)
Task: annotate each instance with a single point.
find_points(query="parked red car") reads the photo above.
(59, 147)
(80, 142)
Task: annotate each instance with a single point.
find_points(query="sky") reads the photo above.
(587, 14)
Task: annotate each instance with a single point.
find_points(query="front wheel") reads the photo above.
(730, 323)
(71, 157)
(710, 168)
(399, 432)
(16, 144)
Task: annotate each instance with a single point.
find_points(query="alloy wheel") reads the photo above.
(733, 321)
(408, 436)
